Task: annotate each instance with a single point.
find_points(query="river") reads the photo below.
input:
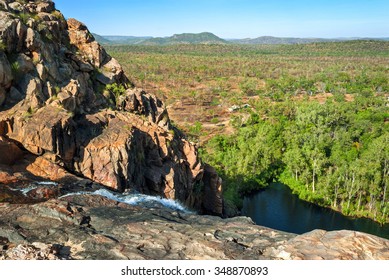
(277, 207)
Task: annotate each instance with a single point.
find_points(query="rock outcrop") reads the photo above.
(94, 227)
(71, 121)
(64, 99)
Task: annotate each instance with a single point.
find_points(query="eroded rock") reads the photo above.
(5, 71)
(36, 251)
(335, 245)
(9, 152)
(53, 103)
(94, 227)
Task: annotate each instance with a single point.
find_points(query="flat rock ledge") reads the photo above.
(95, 228)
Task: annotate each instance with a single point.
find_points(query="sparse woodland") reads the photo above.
(318, 118)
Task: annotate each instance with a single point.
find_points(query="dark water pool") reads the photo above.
(276, 207)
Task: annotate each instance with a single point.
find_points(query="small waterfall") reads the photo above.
(33, 186)
(137, 200)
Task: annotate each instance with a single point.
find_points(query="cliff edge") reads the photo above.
(93, 227)
(68, 103)
(72, 125)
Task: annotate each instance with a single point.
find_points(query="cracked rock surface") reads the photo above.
(94, 227)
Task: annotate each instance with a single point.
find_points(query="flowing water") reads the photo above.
(134, 199)
(276, 207)
(138, 199)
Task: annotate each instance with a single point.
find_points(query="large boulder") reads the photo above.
(111, 71)
(4, 5)
(5, 77)
(139, 102)
(9, 152)
(5, 71)
(8, 34)
(45, 7)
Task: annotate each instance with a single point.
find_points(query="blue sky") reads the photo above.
(232, 18)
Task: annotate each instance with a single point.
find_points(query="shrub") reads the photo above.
(196, 128)
(3, 47)
(57, 14)
(16, 72)
(24, 17)
(117, 90)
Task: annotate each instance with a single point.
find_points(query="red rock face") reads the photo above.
(56, 104)
(9, 152)
(43, 193)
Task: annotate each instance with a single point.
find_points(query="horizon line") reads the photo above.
(243, 38)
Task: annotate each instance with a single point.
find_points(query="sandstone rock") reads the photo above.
(48, 130)
(81, 65)
(3, 95)
(21, 31)
(104, 79)
(9, 152)
(113, 67)
(8, 35)
(3, 5)
(45, 7)
(15, 94)
(112, 72)
(25, 64)
(46, 16)
(43, 193)
(67, 100)
(80, 37)
(5, 72)
(31, 7)
(139, 102)
(213, 200)
(54, 29)
(55, 106)
(32, 88)
(336, 245)
(94, 227)
(130, 147)
(45, 167)
(65, 72)
(16, 7)
(33, 41)
(35, 251)
(42, 72)
(7, 178)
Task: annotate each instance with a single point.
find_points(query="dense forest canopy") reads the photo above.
(334, 154)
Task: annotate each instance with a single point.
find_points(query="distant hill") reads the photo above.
(269, 40)
(101, 39)
(127, 40)
(119, 40)
(185, 38)
(210, 38)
